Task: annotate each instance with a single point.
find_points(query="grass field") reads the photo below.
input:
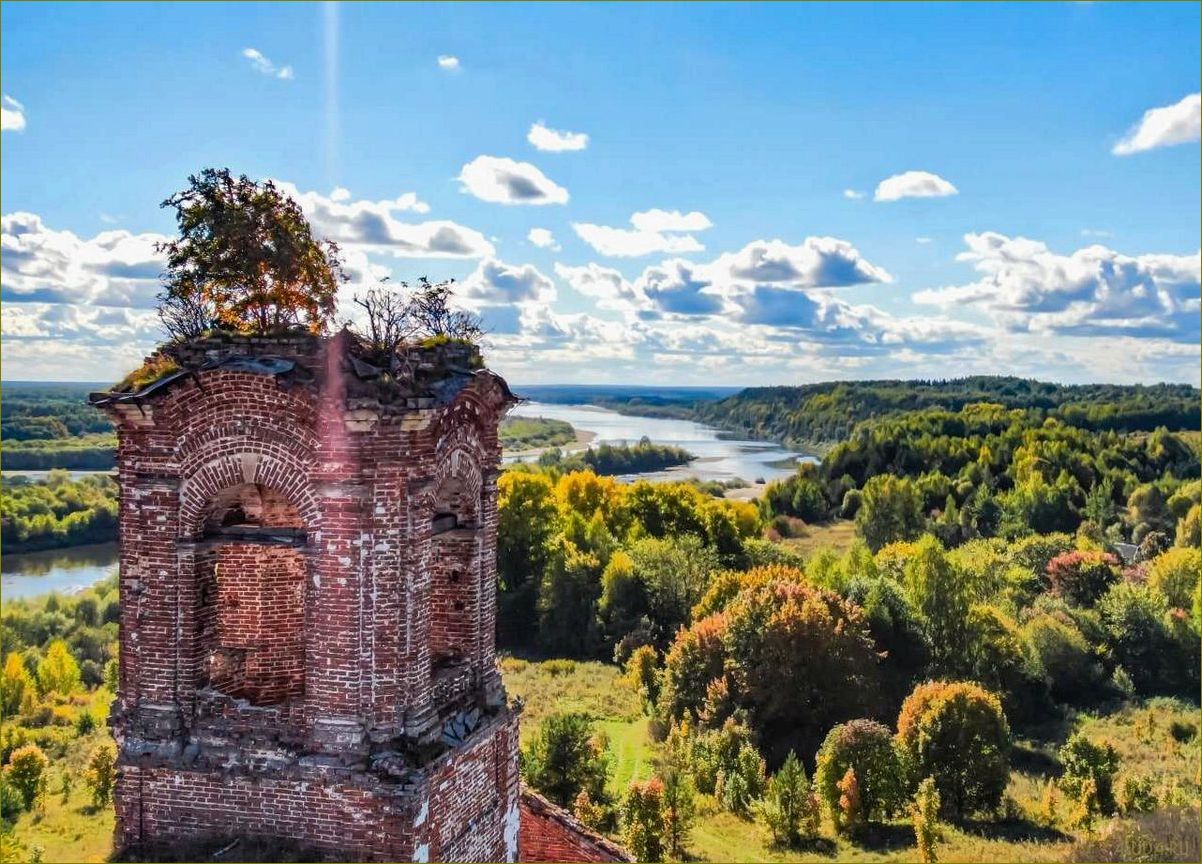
(1142, 734)
(1158, 738)
(836, 536)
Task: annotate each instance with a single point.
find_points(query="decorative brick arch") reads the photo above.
(244, 462)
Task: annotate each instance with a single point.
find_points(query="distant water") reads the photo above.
(720, 457)
(28, 574)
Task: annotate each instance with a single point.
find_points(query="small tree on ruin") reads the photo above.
(245, 260)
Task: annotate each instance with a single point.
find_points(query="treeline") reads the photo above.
(586, 563)
(57, 512)
(49, 426)
(985, 471)
(617, 459)
(818, 415)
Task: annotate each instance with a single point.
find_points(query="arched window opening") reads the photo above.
(252, 572)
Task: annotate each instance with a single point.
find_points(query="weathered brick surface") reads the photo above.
(550, 833)
(303, 656)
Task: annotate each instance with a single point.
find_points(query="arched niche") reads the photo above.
(251, 568)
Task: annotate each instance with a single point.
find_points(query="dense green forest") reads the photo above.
(57, 512)
(818, 415)
(48, 426)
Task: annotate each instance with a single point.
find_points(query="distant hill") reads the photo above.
(818, 415)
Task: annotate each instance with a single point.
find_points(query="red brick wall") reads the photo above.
(333, 640)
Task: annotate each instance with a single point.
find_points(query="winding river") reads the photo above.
(719, 457)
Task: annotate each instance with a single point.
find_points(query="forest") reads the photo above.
(817, 416)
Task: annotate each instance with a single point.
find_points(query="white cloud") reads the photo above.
(852, 194)
(1095, 291)
(913, 184)
(264, 66)
(654, 230)
(12, 114)
(1179, 123)
(627, 243)
(374, 226)
(815, 262)
(670, 220)
(448, 61)
(555, 140)
(41, 265)
(503, 181)
(543, 239)
(495, 283)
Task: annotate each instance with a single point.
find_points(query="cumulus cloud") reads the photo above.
(852, 194)
(12, 114)
(815, 262)
(542, 238)
(494, 282)
(504, 181)
(555, 140)
(673, 288)
(1095, 291)
(913, 184)
(375, 227)
(1178, 123)
(654, 230)
(264, 66)
(670, 220)
(448, 62)
(42, 265)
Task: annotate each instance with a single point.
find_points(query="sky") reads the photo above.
(637, 194)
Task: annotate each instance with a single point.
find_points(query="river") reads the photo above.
(27, 574)
(720, 457)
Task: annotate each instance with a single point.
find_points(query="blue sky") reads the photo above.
(1036, 165)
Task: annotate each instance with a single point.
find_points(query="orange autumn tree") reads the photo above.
(245, 260)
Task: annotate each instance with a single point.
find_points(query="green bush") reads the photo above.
(1085, 761)
(739, 785)
(956, 733)
(1072, 667)
(867, 747)
(564, 759)
(643, 820)
(790, 809)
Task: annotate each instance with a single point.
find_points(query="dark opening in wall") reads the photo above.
(251, 572)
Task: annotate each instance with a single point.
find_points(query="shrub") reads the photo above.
(564, 759)
(716, 752)
(956, 733)
(558, 667)
(1072, 668)
(101, 773)
(680, 808)
(1082, 576)
(925, 816)
(739, 785)
(26, 769)
(643, 820)
(1174, 575)
(866, 747)
(58, 672)
(1134, 794)
(1087, 763)
(643, 675)
(11, 801)
(790, 808)
(15, 684)
(590, 814)
(847, 818)
(1001, 660)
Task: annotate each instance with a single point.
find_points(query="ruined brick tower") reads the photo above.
(308, 562)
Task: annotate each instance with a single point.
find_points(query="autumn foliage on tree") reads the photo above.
(245, 260)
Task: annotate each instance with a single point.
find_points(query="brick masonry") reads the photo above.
(308, 572)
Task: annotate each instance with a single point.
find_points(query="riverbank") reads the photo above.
(583, 438)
